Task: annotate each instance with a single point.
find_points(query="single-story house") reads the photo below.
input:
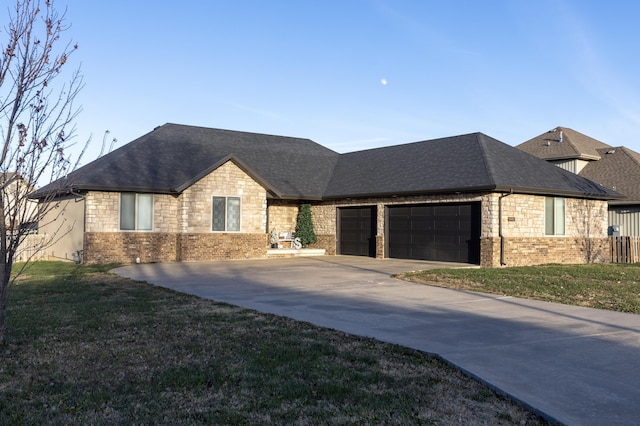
(617, 168)
(185, 193)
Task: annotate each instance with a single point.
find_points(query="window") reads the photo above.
(226, 214)
(136, 212)
(554, 216)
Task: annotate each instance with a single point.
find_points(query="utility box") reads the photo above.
(614, 230)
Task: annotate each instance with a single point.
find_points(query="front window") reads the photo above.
(226, 214)
(554, 216)
(136, 212)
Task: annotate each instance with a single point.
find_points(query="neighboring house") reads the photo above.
(616, 168)
(20, 213)
(184, 193)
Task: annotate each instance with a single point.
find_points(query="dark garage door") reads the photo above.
(442, 232)
(358, 231)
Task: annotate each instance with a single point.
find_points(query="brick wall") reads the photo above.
(544, 250)
(181, 224)
(326, 242)
(524, 216)
(523, 226)
(217, 246)
(126, 247)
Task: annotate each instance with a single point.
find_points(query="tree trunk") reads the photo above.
(4, 292)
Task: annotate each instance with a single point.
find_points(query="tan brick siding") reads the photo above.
(523, 226)
(524, 216)
(126, 247)
(283, 215)
(102, 212)
(182, 225)
(217, 246)
(228, 180)
(165, 213)
(538, 251)
(326, 242)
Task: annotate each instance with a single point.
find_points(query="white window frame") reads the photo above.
(226, 213)
(555, 216)
(136, 226)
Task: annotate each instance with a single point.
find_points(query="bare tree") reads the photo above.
(36, 123)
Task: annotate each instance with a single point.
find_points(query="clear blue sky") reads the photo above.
(357, 74)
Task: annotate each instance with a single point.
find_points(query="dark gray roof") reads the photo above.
(563, 143)
(173, 157)
(473, 162)
(618, 169)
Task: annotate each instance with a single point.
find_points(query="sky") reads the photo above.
(357, 74)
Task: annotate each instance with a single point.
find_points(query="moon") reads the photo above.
(383, 81)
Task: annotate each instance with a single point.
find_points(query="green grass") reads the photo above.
(87, 347)
(614, 287)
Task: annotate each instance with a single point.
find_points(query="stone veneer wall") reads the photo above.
(523, 227)
(228, 180)
(524, 239)
(102, 211)
(181, 224)
(282, 215)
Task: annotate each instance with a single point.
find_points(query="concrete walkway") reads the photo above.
(576, 365)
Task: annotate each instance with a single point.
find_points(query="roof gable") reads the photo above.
(563, 143)
(173, 157)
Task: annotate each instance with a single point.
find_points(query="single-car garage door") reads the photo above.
(357, 231)
(441, 232)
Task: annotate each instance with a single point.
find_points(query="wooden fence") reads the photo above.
(625, 249)
(30, 249)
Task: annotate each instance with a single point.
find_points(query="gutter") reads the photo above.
(505, 195)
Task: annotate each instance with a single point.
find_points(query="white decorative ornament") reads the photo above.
(296, 244)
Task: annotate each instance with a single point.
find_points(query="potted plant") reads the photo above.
(304, 226)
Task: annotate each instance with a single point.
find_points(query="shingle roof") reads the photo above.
(571, 145)
(473, 162)
(173, 157)
(618, 169)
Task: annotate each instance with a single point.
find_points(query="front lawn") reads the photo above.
(88, 347)
(614, 287)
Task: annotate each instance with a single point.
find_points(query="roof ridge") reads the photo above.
(581, 135)
(634, 156)
(193, 126)
(482, 140)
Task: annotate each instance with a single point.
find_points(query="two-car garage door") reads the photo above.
(440, 232)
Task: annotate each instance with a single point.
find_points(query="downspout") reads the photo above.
(502, 263)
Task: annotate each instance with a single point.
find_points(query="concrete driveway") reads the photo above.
(575, 365)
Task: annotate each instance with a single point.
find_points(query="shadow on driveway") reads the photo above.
(574, 365)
